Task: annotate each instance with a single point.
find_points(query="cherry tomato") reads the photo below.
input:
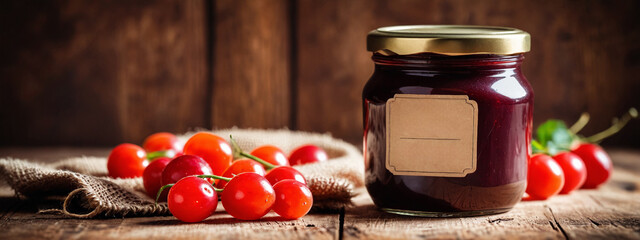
(213, 149)
(183, 166)
(271, 154)
(307, 154)
(127, 161)
(574, 171)
(152, 177)
(284, 172)
(545, 177)
(162, 141)
(293, 199)
(241, 166)
(248, 196)
(597, 162)
(192, 199)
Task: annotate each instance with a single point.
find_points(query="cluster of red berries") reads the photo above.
(191, 178)
(566, 161)
(585, 166)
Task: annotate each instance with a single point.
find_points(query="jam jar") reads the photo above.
(447, 120)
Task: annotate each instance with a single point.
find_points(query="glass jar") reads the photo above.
(447, 120)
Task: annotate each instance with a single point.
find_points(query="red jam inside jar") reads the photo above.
(503, 106)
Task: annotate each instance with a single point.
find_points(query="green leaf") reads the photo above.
(546, 130)
(554, 136)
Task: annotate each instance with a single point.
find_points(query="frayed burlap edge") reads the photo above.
(89, 195)
(86, 196)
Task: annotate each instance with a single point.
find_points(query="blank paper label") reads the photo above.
(431, 135)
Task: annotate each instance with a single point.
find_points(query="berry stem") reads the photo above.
(200, 176)
(257, 159)
(214, 177)
(218, 189)
(164, 153)
(162, 189)
(615, 127)
(582, 121)
(238, 152)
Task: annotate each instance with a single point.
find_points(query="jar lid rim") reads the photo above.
(448, 40)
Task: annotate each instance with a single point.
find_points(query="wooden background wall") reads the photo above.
(96, 73)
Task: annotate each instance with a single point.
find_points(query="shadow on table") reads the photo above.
(216, 219)
(12, 204)
(369, 211)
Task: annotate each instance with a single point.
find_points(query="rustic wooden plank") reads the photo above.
(566, 66)
(251, 64)
(96, 73)
(581, 59)
(628, 159)
(99, 73)
(526, 220)
(333, 65)
(601, 214)
(9, 203)
(26, 224)
(51, 154)
(167, 90)
(223, 226)
(609, 212)
(19, 219)
(218, 226)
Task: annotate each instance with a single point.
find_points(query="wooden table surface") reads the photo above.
(613, 211)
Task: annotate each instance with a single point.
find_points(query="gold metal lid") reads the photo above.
(448, 40)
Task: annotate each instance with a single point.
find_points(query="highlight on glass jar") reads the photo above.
(447, 119)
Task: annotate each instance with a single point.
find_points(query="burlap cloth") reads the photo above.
(88, 192)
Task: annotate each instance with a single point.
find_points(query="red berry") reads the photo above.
(307, 154)
(162, 141)
(184, 166)
(574, 171)
(248, 196)
(271, 154)
(597, 162)
(152, 177)
(192, 199)
(293, 199)
(126, 161)
(284, 172)
(213, 149)
(241, 166)
(545, 177)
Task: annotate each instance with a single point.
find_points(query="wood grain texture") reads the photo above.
(251, 64)
(606, 213)
(583, 59)
(609, 212)
(584, 56)
(333, 66)
(100, 73)
(96, 73)
(585, 214)
(23, 224)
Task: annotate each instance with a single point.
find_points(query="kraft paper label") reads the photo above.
(431, 135)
